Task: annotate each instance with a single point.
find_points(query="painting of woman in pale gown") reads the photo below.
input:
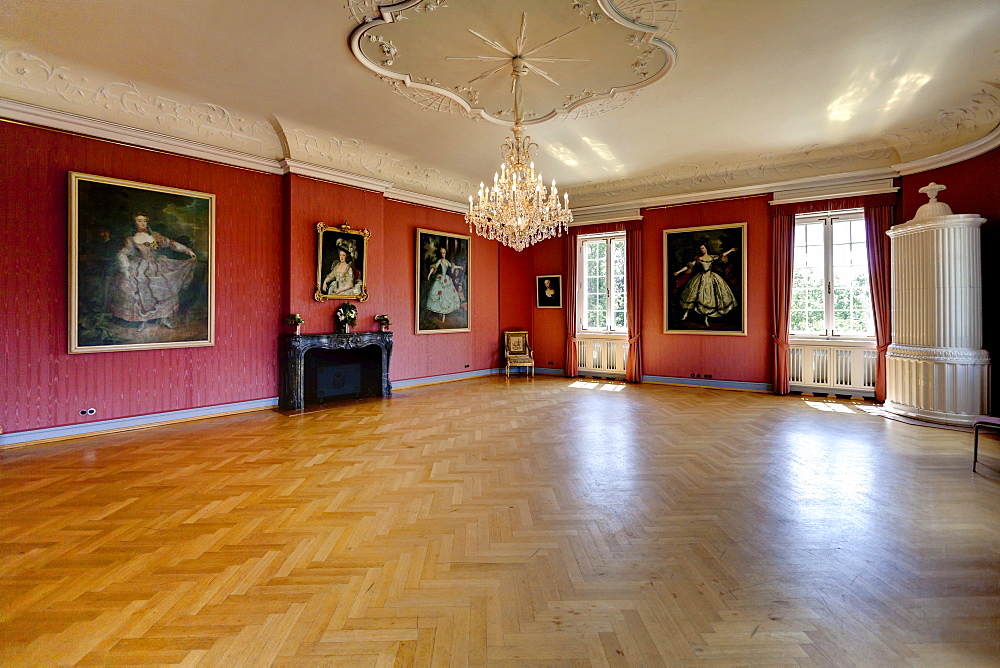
(144, 280)
(442, 282)
(340, 268)
(704, 291)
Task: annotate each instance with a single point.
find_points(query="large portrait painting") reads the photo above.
(341, 263)
(141, 266)
(704, 274)
(442, 282)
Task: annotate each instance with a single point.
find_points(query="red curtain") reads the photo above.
(572, 367)
(633, 278)
(782, 242)
(878, 220)
(783, 247)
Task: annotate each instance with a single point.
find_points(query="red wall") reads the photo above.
(44, 386)
(549, 324)
(266, 268)
(733, 358)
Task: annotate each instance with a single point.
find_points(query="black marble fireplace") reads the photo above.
(315, 367)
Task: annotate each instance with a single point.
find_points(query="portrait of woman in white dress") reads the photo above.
(146, 288)
(340, 267)
(141, 265)
(704, 276)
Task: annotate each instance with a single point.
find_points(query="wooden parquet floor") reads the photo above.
(509, 523)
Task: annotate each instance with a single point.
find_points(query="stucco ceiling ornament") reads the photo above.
(422, 41)
(126, 103)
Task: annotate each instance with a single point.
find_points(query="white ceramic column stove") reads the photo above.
(936, 369)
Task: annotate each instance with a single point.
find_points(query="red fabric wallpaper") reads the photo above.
(422, 355)
(41, 385)
(549, 324)
(734, 358)
(391, 275)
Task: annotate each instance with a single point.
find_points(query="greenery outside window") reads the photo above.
(831, 296)
(601, 296)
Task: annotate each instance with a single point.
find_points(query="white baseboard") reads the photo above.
(446, 378)
(707, 382)
(85, 429)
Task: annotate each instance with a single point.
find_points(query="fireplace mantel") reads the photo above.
(293, 354)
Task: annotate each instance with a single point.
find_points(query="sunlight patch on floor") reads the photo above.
(596, 385)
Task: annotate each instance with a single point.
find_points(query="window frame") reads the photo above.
(581, 294)
(826, 218)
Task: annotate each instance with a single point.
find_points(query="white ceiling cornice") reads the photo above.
(802, 189)
(91, 127)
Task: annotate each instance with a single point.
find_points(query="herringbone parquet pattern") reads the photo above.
(520, 522)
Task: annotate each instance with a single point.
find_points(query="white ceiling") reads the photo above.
(760, 91)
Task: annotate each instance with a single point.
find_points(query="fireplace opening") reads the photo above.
(342, 374)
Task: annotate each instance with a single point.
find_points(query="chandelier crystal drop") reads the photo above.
(518, 209)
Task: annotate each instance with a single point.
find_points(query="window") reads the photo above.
(601, 285)
(830, 291)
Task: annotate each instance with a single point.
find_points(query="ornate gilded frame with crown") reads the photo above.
(341, 263)
(141, 266)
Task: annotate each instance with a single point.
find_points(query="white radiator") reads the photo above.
(836, 369)
(604, 357)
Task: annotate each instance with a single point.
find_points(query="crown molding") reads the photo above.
(804, 189)
(90, 127)
(594, 215)
(420, 199)
(855, 188)
(975, 148)
(332, 175)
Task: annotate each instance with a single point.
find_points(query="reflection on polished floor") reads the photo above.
(520, 522)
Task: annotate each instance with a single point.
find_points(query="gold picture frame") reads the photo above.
(442, 287)
(704, 280)
(341, 263)
(141, 266)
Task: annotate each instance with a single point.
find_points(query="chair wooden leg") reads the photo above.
(975, 447)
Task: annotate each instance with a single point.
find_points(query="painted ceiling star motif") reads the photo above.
(519, 60)
(452, 53)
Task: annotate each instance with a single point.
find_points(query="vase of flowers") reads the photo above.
(346, 317)
(295, 320)
(383, 322)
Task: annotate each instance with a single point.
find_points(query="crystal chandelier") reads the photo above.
(518, 210)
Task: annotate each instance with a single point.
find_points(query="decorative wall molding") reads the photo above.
(970, 150)
(951, 127)
(340, 161)
(61, 120)
(610, 214)
(113, 101)
(425, 200)
(333, 175)
(856, 188)
(353, 156)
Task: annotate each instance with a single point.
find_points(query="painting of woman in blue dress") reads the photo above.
(442, 282)
(705, 280)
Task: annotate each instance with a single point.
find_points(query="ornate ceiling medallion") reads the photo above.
(603, 54)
